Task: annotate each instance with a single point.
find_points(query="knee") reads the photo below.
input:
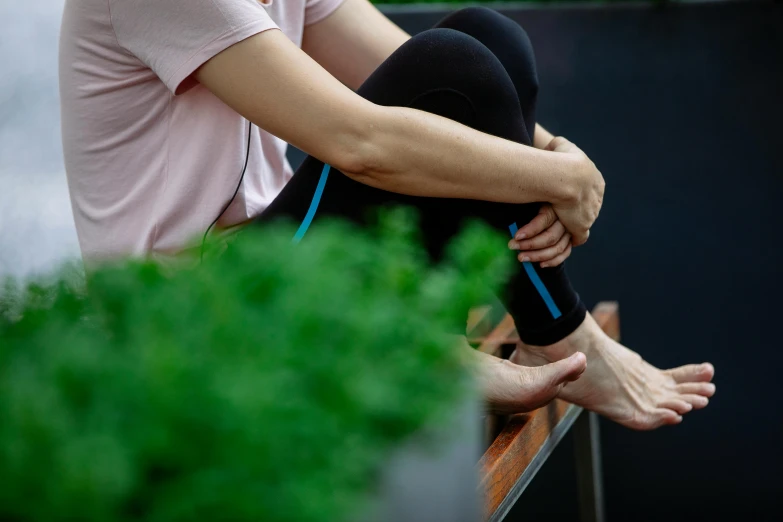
(446, 51)
(447, 43)
(461, 60)
(486, 25)
(475, 16)
(502, 35)
(440, 60)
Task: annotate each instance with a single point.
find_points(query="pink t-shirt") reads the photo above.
(151, 156)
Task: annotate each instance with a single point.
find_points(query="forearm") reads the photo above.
(393, 148)
(418, 153)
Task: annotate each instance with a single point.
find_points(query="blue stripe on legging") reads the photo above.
(531, 273)
(319, 190)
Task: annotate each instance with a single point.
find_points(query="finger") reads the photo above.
(698, 401)
(692, 373)
(546, 254)
(547, 238)
(544, 219)
(558, 143)
(579, 239)
(705, 389)
(559, 260)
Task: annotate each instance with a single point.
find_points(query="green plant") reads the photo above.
(269, 383)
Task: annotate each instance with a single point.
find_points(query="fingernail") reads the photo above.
(513, 245)
(524, 259)
(543, 265)
(521, 235)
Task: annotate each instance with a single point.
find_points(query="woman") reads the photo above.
(176, 115)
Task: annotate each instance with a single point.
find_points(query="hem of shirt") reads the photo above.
(318, 13)
(215, 47)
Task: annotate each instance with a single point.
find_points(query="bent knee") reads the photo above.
(447, 51)
(502, 35)
(460, 61)
(479, 21)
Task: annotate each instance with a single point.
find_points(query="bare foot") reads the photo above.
(511, 388)
(620, 385)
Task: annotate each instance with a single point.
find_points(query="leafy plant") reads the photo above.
(269, 383)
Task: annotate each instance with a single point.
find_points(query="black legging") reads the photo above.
(476, 67)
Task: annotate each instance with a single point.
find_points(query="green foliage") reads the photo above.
(269, 383)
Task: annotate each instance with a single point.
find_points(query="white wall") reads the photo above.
(36, 224)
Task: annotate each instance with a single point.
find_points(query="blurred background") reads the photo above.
(679, 104)
(36, 225)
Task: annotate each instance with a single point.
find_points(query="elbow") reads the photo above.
(359, 153)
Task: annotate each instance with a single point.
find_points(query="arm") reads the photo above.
(270, 81)
(354, 40)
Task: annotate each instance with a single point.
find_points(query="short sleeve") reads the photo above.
(176, 37)
(317, 10)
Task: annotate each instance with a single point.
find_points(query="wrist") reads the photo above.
(566, 176)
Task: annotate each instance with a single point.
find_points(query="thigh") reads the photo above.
(421, 74)
(450, 73)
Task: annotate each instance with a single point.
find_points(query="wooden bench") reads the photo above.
(522, 443)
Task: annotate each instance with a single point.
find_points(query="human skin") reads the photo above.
(395, 148)
(587, 367)
(306, 95)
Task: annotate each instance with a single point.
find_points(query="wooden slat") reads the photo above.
(518, 453)
(480, 323)
(607, 315)
(499, 336)
(527, 439)
(477, 316)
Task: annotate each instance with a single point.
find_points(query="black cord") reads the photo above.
(236, 190)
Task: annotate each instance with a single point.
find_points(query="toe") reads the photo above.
(697, 401)
(692, 373)
(537, 386)
(676, 404)
(577, 364)
(566, 370)
(549, 379)
(706, 389)
(670, 418)
(654, 419)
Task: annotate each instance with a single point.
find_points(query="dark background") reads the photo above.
(680, 107)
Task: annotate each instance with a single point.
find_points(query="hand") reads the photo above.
(579, 209)
(544, 240)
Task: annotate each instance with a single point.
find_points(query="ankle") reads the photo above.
(584, 339)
